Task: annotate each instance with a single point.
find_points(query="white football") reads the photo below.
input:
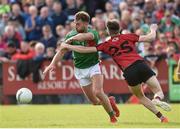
(24, 96)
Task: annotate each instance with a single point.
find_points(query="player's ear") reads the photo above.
(86, 23)
(107, 30)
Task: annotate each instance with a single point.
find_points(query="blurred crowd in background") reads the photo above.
(34, 29)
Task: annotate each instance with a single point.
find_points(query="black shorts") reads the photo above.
(137, 73)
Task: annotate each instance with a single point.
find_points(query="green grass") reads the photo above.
(80, 116)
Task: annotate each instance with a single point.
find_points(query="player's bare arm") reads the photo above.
(151, 36)
(80, 49)
(56, 58)
(80, 37)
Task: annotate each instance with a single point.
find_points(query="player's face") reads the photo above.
(80, 26)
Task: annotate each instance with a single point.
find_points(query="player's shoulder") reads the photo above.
(92, 30)
(71, 33)
(129, 34)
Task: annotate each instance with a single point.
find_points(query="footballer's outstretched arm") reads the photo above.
(59, 55)
(80, 49)
(151, 36)
(80, 37)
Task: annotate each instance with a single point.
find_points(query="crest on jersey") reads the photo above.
(115, 39)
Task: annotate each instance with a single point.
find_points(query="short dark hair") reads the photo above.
(113, 26)
(82, 16)
(11, 44)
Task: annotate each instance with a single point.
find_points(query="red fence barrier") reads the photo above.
(62, 80)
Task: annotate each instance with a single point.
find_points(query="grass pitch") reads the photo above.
(83, 116)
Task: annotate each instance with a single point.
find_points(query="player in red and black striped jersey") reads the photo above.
(121, 47)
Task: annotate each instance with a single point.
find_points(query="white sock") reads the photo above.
(159, 95)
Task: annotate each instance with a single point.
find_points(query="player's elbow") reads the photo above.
(88, 36)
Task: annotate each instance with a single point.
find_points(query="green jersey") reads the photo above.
(84, 60)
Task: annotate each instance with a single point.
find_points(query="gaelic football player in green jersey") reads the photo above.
(87, 70)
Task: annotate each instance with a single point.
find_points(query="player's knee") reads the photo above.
(94, 101)
(98, 92)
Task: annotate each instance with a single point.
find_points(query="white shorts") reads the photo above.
(84, 75)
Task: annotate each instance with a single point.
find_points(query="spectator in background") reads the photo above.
(131, 6)
(12, 36)
(50, 52)
(168, 22)
(177, 7)
(158, 14)
(69, 25)
(71, 9)
(10, 51)
(45, 19)
(176, 35)
(3, 22)
(18, 27)
(147, 49)
(39, 4)
(115, 3)
(162, 40)
(173, 51)
(169, 36)
(39, 52)
(125, 19)
(147, 22)
(24, 60)
(135, 25)
(26, 14)
(113, 15)
(17, 14)
(150, 55)
(3, 46)
(48, 39)
(141, 15)
(61, 32)
(160, 52)
(25, 52)
(80, 5)
(4, 7)
(100, 25)
(49, 4)
(99, 15)
(32, 29)
(59, 17)
(108, 7)
(149, 6)
(37, 61)
(32, 45)
(122, 6)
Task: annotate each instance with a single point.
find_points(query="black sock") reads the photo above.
(111, 113)
(159, 115)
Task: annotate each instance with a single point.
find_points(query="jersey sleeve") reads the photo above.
(131, 37)
(96, 35)
(67, 36)
(102, 46)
